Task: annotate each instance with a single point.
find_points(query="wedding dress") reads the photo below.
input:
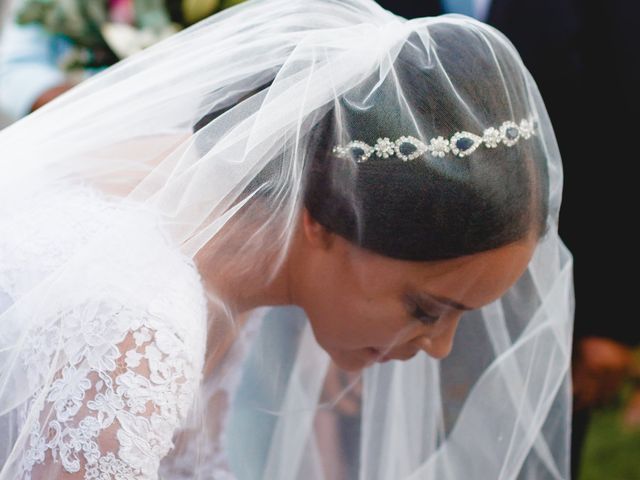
(135, 362)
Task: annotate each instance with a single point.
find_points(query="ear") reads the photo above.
(315, 234)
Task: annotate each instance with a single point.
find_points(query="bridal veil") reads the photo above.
(244, 116)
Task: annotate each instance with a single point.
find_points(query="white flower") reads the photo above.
(96, 330)
(384, 147)
(67, 393)
(107, 405)
(143, 444)
(109, 467)
(132, 358)
(161, 370)
(492, 137)
(439, 147)
(135, 389)
(103, 358)
(526, 129)
(141, 336)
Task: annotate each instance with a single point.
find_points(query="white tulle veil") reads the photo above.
(199, 129)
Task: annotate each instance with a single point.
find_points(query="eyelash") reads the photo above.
(422, 316)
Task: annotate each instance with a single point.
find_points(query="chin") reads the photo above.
(351, 361)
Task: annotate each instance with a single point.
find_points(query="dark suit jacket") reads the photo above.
(583, 56)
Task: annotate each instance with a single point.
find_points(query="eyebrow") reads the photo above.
(447, 301)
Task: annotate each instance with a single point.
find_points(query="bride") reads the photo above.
(245, 253)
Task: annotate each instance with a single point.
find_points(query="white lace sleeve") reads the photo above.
(106, 369)
(111, 410)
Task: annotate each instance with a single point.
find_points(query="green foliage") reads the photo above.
(83, 23)
(78, 21)
(611, 451)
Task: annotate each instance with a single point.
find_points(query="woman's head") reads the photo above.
(391, 230)
(388, 237)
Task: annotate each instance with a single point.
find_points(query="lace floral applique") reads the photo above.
(112, 365)
(132, 384)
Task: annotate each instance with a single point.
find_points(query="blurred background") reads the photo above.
(612, 443)
(583, 55)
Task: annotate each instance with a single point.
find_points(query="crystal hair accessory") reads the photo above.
(461, 144)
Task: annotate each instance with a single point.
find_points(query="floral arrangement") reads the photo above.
(105, 31)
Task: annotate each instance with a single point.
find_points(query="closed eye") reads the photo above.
(423, 316)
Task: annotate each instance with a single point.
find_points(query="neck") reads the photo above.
(245, 284)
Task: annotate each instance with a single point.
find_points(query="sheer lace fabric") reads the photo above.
(131, 351)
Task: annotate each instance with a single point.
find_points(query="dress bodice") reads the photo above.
(113, 363)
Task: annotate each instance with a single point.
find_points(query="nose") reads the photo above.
(438, 345)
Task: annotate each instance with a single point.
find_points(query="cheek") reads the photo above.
(349, 322)
(347, 313)
(328, 302)
(335, 317)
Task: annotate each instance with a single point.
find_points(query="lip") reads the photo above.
(402, 358)
(373, 352)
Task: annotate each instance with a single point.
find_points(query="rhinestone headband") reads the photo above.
(460, 144)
